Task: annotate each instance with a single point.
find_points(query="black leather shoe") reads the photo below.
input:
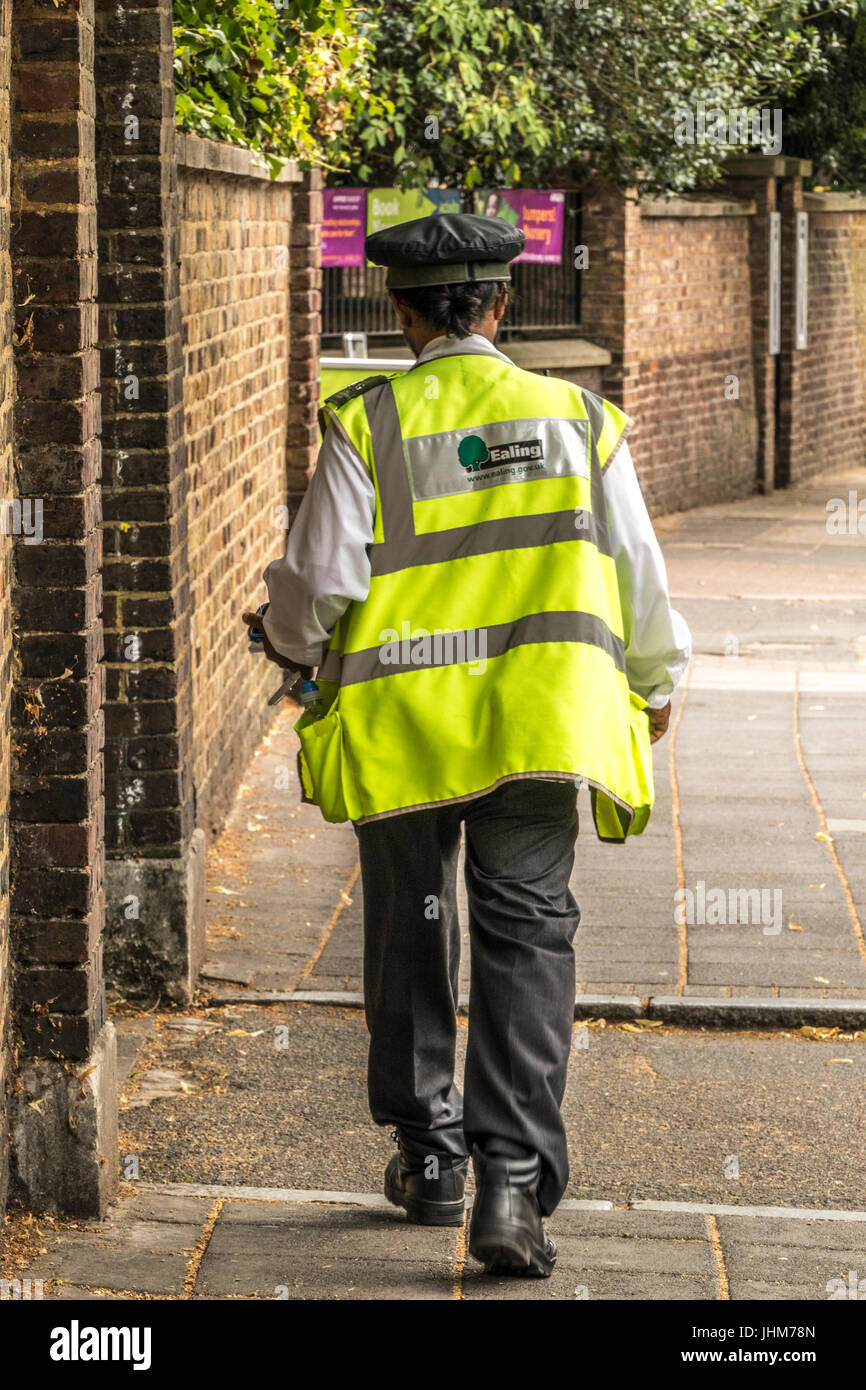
(506, 1233)
(427, 1182)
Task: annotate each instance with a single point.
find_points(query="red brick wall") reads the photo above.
(57, 896)
(7, 489)
(305, 305)
(823, 418)
(148, 794)
(761, 191)
(692, 445)
(610, 227)
(235, 267)
(670, 298)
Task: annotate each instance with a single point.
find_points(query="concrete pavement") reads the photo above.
(199, 1242)
(708, 1163)
(711, 1166)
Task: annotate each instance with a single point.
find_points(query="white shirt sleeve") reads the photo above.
(658, 644)
(326, 565)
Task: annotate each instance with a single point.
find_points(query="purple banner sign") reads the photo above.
(540, 213)
(344, 226)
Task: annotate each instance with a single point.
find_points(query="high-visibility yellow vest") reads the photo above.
(491, 644)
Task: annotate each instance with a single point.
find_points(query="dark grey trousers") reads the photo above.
(522, 920)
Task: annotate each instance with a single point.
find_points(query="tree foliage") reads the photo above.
(540, 93)
(460, 75)
(827, 121)
(280, 77)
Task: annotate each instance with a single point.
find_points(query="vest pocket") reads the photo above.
(323, 764)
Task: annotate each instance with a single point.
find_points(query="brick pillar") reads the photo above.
(793, 443)
(305, 303)
(610, 229)
(155, 869)
(761, 188)
(7, 493)
(64, 1126)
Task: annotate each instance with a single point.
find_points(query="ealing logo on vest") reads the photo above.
(525, 455)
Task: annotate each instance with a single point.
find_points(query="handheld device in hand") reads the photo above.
(257, 634)
(288, 687)
(292, 679)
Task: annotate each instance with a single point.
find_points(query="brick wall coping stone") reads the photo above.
(556, 352)
(196, 153)
(763, 166)
(697, 207)
(544, 352)
(834, 202)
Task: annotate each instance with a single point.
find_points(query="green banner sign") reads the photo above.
(388, 207)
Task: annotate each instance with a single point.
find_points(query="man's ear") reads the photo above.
(501, 303)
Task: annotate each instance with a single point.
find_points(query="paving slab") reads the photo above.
(72, 1293)
(148, 1256)
(809, 1232)
(324, 1252)
(814, 1270)
(290, 1245)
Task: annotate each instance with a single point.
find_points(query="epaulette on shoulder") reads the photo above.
(346, 394)
(357, 388)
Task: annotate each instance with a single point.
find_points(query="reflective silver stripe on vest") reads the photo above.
(595, 410)
(463, 647)
(507, 451)
(486, 537)
(330, 667)
(594, 406)
(398, 522)
(402, 549)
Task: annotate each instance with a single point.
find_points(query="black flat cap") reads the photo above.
(445, 249)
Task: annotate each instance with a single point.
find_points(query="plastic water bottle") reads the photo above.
(310, 695)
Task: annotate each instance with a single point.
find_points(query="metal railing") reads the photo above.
(544, 298)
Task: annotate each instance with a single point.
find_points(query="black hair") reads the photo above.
(453, 309)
